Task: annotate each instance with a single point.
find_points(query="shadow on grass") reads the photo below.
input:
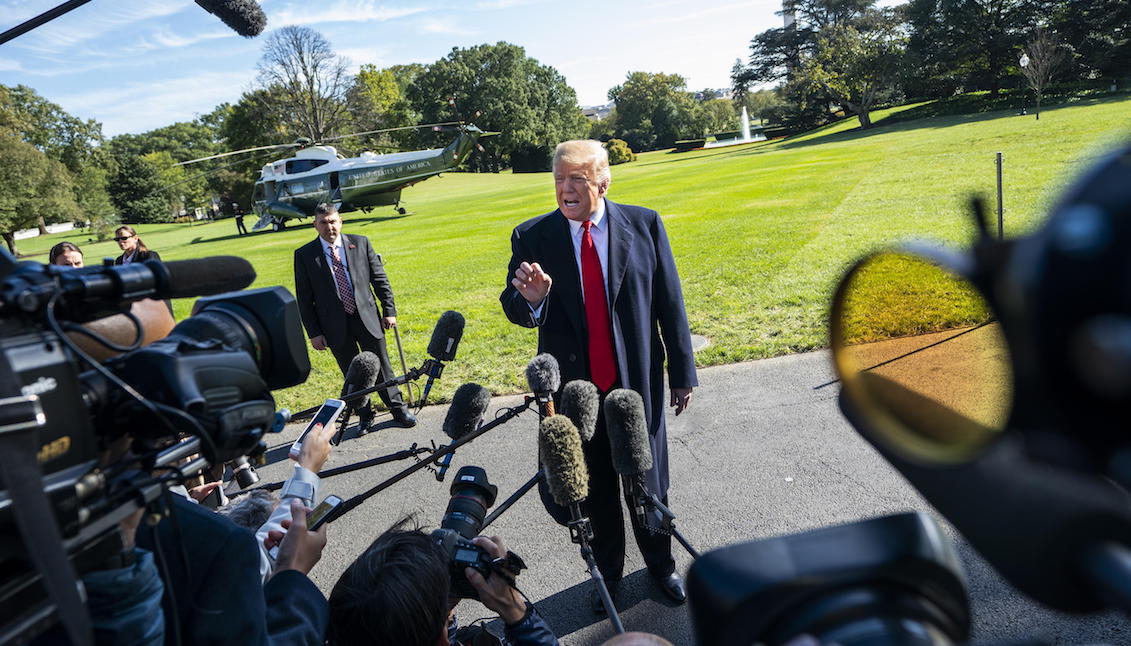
(373, 219)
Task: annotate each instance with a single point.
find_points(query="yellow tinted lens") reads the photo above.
(922, 358)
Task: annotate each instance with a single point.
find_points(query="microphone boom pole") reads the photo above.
(511, 500)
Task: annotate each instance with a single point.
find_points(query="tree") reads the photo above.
(308, 79)
(763, 105)
(93, 197)
(1099, 35)
(48, 127)
(619, 152)
(376, 102)
(33, 188)
(654, 110)
(1041, 59)
(529, 103)
(717, 115)
(855, 66)
(136, 191)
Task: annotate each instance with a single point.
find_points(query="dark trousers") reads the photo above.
(240, 228)
(361, 337)
(604, 511)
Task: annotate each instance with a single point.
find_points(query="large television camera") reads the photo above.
(997, 382)
(199, 396)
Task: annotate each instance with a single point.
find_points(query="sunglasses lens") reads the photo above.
(921, 354)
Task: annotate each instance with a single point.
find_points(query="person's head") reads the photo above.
(66, 254)
(327, 222)
(128, 240)
(394, 594)
(251, 509)
(581, 177)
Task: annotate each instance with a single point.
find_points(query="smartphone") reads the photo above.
(325, 416)
(213, 499)
(315, 519)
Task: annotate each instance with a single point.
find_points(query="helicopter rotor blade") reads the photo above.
(373, 132)
(237, 152)
(207, 173)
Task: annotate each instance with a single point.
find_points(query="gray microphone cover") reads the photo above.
(543, 375)
(446, 336)
(559, 448)
(468, 406)
(245, 17)
(361, 373)
(579, 403)
(628, 432)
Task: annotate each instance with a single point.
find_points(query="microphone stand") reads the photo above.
(430, 368)
(410, 452)
(432, 458)
(648, 504)
(506, 504)
(581, 532)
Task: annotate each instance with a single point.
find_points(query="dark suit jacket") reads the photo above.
(219, 598)
(647, 310)
(141, 256)
(317, 293)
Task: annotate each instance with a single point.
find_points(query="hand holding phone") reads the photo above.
(315, 519)
(326, 415)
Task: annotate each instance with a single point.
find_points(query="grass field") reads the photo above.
(761, 233)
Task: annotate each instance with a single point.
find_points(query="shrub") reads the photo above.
(619, 152)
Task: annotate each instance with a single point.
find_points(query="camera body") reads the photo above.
(471, 496)
(210, 378)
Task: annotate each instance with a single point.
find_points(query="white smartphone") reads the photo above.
(315, 519)
(325, 416)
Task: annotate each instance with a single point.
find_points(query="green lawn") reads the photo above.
(761, 233)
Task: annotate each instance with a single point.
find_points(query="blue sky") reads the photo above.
(135, 65)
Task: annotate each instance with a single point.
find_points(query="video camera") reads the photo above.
(472, 495)
(209, 380)
(997, 382)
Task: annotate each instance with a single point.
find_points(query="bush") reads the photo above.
(619, 152)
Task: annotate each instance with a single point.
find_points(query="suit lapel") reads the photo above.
(318, 257)
(559, 254)
(620, 241)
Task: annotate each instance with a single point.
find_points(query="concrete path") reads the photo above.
(762, 451)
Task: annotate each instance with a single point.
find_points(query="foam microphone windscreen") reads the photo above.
(202, 276)
(468, 406)
(628, 432)
(559, 447)
(361, 373)
(579, 403)
(446, 336)
(245, 17)
(543, 375)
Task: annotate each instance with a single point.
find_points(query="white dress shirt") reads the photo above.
(600, 234)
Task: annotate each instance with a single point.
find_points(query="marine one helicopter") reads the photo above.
(291, 188)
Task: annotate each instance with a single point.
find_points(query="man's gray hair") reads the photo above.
(586, 152)
(251, 509)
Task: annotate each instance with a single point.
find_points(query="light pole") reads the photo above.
(1024, 62)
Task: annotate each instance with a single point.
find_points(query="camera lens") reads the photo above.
(472, 496)
(243, 471)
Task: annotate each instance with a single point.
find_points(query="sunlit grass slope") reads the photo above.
(760, 232)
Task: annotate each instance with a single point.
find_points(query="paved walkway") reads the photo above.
(762, 451)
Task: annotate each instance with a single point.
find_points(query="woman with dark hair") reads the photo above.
(133, 249)
(65, 254)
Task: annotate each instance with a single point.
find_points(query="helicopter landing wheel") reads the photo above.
(402, 210)
(278, 226)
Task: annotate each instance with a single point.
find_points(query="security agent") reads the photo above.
(397, 592)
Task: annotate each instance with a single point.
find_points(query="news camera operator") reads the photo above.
(399, 592)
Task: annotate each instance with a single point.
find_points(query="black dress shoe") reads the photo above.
(363, 424)
(599, 604)
(403, 418)
(673, 586)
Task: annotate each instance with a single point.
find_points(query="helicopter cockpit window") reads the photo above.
(303, 165)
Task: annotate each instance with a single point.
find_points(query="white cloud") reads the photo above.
(311, 13)
(9, 65)
(365, 55)
(489, 5)
(442, 26)
(140, 106)
(91, 21)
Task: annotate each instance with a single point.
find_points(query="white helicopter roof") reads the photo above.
(330, 154)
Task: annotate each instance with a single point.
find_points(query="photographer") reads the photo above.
(397, 592)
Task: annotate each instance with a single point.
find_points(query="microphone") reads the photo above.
(579, 404)
(628, 443)
(243, 16)
(201, 276)
(282, 416)
(544, 379)
(361, 374)
(466, 411)
(567, 477)
(442, 347)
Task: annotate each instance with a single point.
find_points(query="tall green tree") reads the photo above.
(33, 189)
(1099, 34)
(376, 102)
(50, 128)
(136, 191)
(529, 103)
(655, 110)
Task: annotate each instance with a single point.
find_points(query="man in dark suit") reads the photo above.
(336, 278)
(599, 282)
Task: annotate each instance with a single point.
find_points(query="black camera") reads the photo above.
(210, 379)
(472, 495)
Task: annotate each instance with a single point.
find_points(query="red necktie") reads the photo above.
(602, 364)
(344, 291)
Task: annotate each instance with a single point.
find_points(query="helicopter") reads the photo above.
(291, 188)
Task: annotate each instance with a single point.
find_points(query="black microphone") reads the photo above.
(544, 379)
(579, 403)
(243, 16)
(361, 374)
(201, 276)
(282, 416)
(628, 443)
(466, 411)
(442, 347)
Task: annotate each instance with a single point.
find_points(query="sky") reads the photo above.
(135, 65)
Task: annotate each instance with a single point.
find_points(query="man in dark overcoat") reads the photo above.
(338, 281)
(599, 282)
